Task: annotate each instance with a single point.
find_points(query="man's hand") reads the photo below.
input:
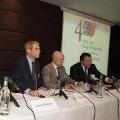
(81, 84)
(110, 81)
(33, 93)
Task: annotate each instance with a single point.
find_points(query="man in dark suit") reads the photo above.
(83, 70)
(54, 73)
(26, 71)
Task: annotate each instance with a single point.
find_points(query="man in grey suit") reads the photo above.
(54, 73)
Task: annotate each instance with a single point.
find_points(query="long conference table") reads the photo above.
(106, 108)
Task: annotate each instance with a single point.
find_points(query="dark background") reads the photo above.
(21, 22)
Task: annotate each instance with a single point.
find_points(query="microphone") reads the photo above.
(115, 84)
(92, 80)
(62, 81)
(58, 77)
(16, 88)
(10, 81)
(62, 84)
(65, 80)
(62, 93)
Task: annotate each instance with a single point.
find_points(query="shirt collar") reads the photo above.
(55, 66)
(84, 67)
(29, 60)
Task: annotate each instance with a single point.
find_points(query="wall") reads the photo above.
(114, 52)
(24, 20)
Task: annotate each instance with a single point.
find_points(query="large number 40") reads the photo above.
(78, 30)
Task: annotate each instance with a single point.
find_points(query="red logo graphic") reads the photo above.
(88, 28)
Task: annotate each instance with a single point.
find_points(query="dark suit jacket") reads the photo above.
(22, 74)
(77, 72)
(49, 76)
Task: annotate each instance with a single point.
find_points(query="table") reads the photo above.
(106, 108)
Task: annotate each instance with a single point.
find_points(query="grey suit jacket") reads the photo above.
(49, 76)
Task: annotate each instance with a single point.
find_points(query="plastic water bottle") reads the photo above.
(4, 98)
(100, 85)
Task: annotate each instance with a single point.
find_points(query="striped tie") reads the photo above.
(34, 76)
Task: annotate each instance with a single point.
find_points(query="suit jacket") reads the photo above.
(77, 72)
(50, 79)
(22, 75)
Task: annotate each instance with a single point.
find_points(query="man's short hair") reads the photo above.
(29, 45)
(83, 55)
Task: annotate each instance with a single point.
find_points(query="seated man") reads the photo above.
(54, 73)
(26, 71)
(83, 70)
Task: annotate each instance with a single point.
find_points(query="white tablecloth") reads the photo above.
(106, 109)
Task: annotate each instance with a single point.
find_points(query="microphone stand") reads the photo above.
(92, 82)
(62, 93)
(62, 84)
(16, 89)
(12, 99)
(92, 90)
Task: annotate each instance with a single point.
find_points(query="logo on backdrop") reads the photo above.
(86, 28)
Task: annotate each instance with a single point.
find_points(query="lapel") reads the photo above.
(84, 76)
(82, 70)
(61, 70)
(27, 68)
(90, 70)
(53, 70)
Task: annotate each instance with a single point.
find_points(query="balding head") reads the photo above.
(58, 58)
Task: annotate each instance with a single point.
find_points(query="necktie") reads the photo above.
(34, 75)
(86, 75)
(58, 71)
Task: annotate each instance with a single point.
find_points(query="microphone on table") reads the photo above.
(115, 84)
(10, 81)
(62, 84)
(14, 100)
(92, 80)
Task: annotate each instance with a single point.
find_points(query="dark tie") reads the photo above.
(86, 75)
(58, 70)
(34, 75)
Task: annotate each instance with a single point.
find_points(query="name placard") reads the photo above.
(79, 97)
(43, 104)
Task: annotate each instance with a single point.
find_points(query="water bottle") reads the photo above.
(4, 98)
(100, 85)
